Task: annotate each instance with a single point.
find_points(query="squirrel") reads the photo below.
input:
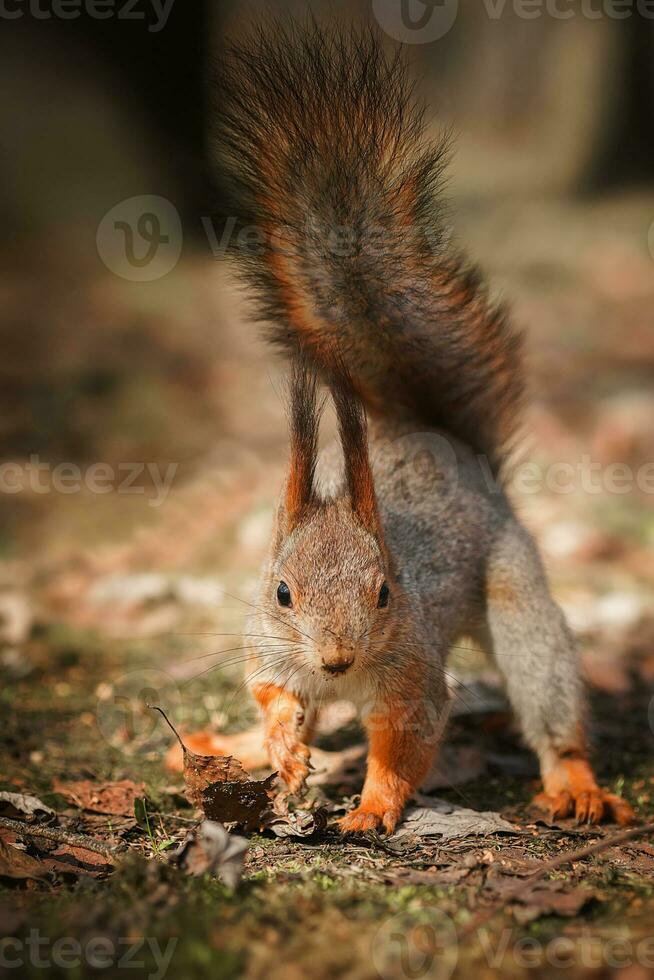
(391, 546)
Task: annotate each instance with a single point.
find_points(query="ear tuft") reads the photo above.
(304, 418)
(353, 431)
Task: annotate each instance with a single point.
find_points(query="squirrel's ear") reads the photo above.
(353, 431)
(304, 418)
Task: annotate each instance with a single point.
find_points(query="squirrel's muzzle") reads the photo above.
(337, 666)
(336, 657)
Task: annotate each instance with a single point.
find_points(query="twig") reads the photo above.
(155, 707)
(61, 837)
(568, 858)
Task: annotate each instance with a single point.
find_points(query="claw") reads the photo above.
(590, 806)
(362, 819)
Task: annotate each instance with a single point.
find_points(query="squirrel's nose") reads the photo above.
(337, 666)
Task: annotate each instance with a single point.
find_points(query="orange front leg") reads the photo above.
(570, 789)
(285, 733)
(400, 755)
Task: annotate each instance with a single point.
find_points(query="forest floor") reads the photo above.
(108, 603)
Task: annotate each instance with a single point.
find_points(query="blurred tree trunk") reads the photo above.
(153, 79)
(165, 74)
(624, 153)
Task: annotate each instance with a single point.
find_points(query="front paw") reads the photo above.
(292, 762)
(370, 817)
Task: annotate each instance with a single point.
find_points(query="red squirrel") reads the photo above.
(394, 544)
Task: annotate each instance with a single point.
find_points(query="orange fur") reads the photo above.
(398, 761)
(284, 738)
(570, 788)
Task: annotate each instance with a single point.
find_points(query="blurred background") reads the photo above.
(143, 436)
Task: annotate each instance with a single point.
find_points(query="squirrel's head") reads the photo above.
(331, 583)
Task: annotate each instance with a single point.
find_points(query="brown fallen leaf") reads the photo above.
(246, 803)
(77, 860)
(16, 864)
(23, 806)
(114, 799)
(221, 787)
(210, 849)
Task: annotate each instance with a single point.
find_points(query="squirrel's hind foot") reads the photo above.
(588, 807)
(570, 790)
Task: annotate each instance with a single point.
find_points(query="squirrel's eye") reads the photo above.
(283, 594)
(384, 595)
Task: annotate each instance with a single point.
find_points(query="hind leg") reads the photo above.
(535, 652)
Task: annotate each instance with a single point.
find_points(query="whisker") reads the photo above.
(271, 615)
(273, 653)
(260, 636)
(216, 653)
(283, 660)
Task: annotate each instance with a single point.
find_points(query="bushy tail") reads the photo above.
(334, 184)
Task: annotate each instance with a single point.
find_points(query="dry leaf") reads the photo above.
(115, 799)
(246, 803)
(21, 805)
(210, 849)
(202, 771)
(16, 864)
(77, 860)
(438, 818)
(222, 789)
(300, 823)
